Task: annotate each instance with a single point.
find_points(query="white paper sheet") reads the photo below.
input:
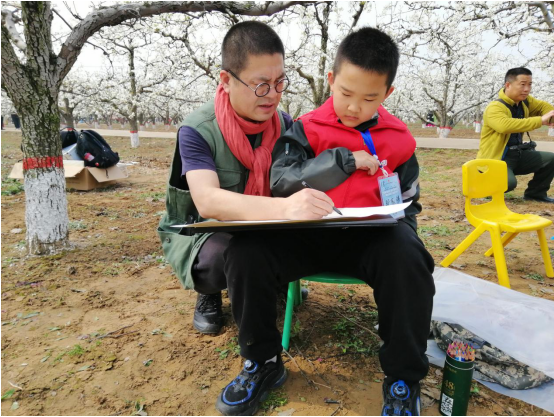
(347, 212)
(367, 211)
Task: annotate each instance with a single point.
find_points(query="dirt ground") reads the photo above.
(106, 329)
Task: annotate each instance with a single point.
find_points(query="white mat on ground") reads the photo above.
(519, 324)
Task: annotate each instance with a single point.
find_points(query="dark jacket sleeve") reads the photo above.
(409, 187)
(294, 161)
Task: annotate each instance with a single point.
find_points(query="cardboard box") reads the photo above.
(79, 177)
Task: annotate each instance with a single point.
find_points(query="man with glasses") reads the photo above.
(220, 170)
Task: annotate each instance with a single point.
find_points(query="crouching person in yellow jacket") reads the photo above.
(505, 121)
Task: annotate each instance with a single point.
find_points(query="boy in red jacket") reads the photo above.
(344, 148)
(347, 148)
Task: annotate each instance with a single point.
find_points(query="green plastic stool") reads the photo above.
(294, 296)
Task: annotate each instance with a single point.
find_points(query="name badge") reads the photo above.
(389, 186)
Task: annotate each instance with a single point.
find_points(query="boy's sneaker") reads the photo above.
(242, 397)
(208, 316)
(399, 399)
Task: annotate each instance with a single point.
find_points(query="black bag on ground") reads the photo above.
(68, 137)
(95, 151)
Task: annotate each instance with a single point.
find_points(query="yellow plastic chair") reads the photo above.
(489, 178)
(294, 297)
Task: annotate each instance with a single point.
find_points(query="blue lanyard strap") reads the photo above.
(369, 142)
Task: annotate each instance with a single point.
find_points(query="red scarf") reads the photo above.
(234, 129)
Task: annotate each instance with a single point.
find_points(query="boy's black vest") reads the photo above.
(180, 250)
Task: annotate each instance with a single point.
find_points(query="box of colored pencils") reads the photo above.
(456, 379)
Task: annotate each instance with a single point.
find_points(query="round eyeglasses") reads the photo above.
(263, 89)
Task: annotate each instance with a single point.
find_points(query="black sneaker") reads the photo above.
(399, 399)
(539, 199)
(242, 397)
(208, 317)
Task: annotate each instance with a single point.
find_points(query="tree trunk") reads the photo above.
(133, 120)
(33, 88)
(46, 215)
(135, 142)
(67, 114)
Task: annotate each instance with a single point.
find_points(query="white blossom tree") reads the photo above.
(32, 74)
(444, 66)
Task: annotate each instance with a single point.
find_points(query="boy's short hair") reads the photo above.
(371, 50)
(512, 74)
(248, 38)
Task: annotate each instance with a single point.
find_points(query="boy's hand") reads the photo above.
(307, 204)
(547, 118)
(366, 162)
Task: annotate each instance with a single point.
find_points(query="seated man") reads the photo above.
(333, 148)
(504, 122)
(221, 164)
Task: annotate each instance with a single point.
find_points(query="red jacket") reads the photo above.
(392, 140)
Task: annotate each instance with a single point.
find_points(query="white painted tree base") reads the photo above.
(135, 140)
(551, 131)
(444, 132)
(477, 127)
(46, 211)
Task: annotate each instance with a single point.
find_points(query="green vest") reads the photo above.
(179, 249)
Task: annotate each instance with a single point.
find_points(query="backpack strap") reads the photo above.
(513, 110)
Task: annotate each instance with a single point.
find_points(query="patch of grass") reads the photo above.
(156, 195)
(534, 276)
(439, 230)
(350, 337)
(12, 186)
(112, 270)
(296, 329)
(231, 347)
(138, 406)
(76, 350)
(277, 398)
(8, 394)
(137, 214)
(77, 225)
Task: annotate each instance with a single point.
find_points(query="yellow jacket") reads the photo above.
(498, 124)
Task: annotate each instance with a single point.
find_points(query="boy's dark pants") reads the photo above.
(392, 260)
(527, 162)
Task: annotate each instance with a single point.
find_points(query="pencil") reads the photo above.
(305, 184)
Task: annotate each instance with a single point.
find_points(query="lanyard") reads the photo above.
(369, 143)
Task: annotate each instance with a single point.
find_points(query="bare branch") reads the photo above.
(118, 13)
(357, 14)
(543, 8)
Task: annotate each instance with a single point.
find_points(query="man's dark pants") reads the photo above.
(529, 161)
(392, 260)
